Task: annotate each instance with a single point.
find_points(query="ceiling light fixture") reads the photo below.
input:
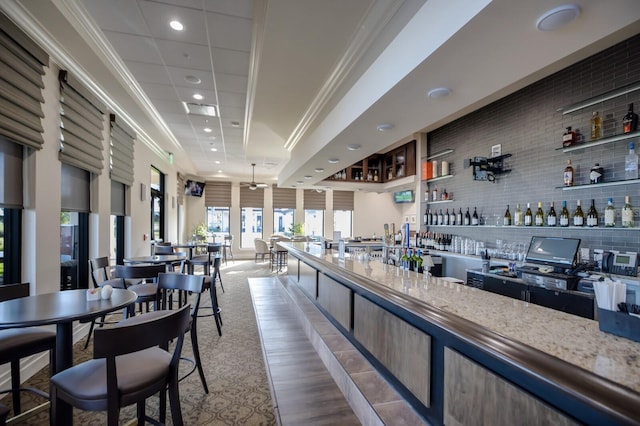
(299, 181)
(192, 79)
(214, 149)
(558, 17)
(207, 130)
(439, 92)
(353, 147)
(235, 124)
(176, 25)
(384, 127)
(219, 171)
(333, 160)
(200, 109)
(217, 162)
(198, 96)
(308, 177)
(319, 170)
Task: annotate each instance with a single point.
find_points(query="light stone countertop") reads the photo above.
(573, 339)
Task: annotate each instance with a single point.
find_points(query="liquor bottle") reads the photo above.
(630, 121)
(568, 138)
(551, 216)
(627, 213)
(519, 218)
(596, 126)
(369, 175)
(467, 218)
(459, 217)
(375, 175)
(610, 214)
(474, 218)
(528, 216)
(564, 215)
(568, 174)
(592, 215)
(445, 194)
(446, 217)
(434, 193)
(506, 221)
(539, 219)
(452, 217)
(596, 174)
(578, 216)
(631, 163)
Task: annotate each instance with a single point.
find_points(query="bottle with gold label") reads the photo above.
(596, 126)
(528, 216)
(564, 215)
(506, 221)
(568, 174)
(578, 216)
(539, 219)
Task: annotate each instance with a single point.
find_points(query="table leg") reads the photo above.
(64, 360)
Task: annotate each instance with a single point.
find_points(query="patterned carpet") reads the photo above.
(239, 392)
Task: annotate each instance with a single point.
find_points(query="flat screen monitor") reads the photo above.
(403, 197)
(561, 253)
(194, 188)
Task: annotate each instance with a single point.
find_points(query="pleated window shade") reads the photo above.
(11, 155)
(217, 194)
(81, 124)
(75, 189)
(314, 200)
(284, 198)
(343, 200)
(121, 152)
(22, 65)
(251, 198)
(180, 189)
(118, 203)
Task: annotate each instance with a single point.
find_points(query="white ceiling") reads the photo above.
(304, 78)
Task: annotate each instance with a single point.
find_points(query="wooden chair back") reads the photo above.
(146, 272)
(13, 291)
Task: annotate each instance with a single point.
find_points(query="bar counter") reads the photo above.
(561, 360)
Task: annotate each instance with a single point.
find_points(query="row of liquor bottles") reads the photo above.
(540, 218)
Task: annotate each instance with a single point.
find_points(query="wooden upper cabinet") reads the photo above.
(400, 162)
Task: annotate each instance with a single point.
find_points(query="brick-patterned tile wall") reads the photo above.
(529, 125)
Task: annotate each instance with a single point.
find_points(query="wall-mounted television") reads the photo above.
(194, 188)
(403, 197)
(561, 253)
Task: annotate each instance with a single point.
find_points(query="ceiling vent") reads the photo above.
(200, 109)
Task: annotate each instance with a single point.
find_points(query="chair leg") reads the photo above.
(174, 402)
(216, 309)
(219, 278)
(15, 386)
(142, 417)
(196, 354)
(163, 407)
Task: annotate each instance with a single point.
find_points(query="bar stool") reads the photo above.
(227, 246)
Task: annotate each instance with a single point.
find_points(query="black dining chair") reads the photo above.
(227, 248)
(147, 288)
(131, 362)
(206, 260)
(4, 413)
(210, 285)
(19, 343)
(186, 285)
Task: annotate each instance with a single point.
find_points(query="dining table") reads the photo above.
(61, 308)
(190, 247)
(167, 259)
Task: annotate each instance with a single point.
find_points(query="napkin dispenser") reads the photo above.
(619, 323)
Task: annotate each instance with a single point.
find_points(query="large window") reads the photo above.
(251, 225)
(342, 221)
(314, 222)
(157, 204)
(282, 220)
(218, 221)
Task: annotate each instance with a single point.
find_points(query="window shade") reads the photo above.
(284, 198)
(343, 200)
(180, 189)
(75, 189)
(81, 125)
(251, 198)
(118, 191)
(121, 153)
(314, 200)
(21, 69)
(217, 194)
(11, 174)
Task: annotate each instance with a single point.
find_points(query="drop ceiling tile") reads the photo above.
(229, 32)
(178, 74)
(122, 16)
(134, 47)
(149, 73)
(185, 55)
(229, 99)
(158, 15)
(160, 91)
(171, 107)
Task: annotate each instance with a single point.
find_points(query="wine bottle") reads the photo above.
(568, 138)
(610, 214)
(578, 216)
(425, 218)
(528, 216)
(446, 217)
(551, 216)
(630, 121)
(627, 213)
(596, 126)
(539, 219)
(631, 163)
(474, 218)
(519, 218)
(459, 217)
(564, 215)
(592, 215)
(506, 221)
(568, 174)
(467, 217)
(440, 218)
(452, 217)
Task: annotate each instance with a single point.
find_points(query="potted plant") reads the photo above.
(296, 229)
(200, 232)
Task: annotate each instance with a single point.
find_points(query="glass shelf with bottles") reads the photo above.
(440, 178)
(450, 200)
(599, 185)
(540, 228)
(603, 141)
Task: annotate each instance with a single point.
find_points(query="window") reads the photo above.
(282, 220)
(157, 204)
(342, 221)
(218, 220)
(314, 222)
(251, 225)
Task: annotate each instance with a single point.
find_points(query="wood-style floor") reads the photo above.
(303, 390)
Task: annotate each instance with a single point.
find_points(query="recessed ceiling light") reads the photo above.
(176, 25)
(214, 149)
(299, 181)
(308, 177)
(558, 17)
(439, 92)
(198, 96)
(353, 147)
(333, 160)
(219, 171)
(208, 130)
(319, 170)
(235, 124)
(384, 127)
(217, 162)
(192, 79)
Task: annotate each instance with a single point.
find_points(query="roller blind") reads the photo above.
(75, 189)
(121, 152)
(21, 69)
(251, 198)
(343, 200)
(314, 200)
(81, 125)
(284, 198)
(217, 194)
(118, 191)
(11, 174)
(180, 189)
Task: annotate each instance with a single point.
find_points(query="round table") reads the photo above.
(156, 259)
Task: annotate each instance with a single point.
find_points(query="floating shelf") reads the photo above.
(440, 154)
(439, 178)
(602, 141)
(600, 98)
(599, 185)
(439, 201)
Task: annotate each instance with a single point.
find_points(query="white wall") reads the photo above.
(373, 210)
